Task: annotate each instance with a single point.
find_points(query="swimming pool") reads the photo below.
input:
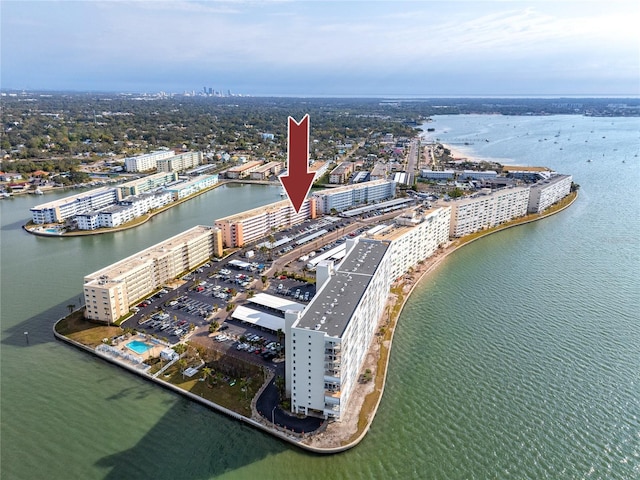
(138, 346)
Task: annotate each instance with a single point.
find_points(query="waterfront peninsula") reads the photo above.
(270, 351)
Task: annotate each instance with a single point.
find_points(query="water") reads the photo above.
(519, 358)
(138, 346)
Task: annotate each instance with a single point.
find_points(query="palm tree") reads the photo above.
(206, 373)
(182, 363)
(71, 307)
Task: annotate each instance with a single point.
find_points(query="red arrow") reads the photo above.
(297, 182)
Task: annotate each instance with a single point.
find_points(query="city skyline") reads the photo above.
(380, 48)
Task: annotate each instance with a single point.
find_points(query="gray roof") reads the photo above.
(333, 306)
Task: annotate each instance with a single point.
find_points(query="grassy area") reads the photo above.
(77, 328)
(222, 393)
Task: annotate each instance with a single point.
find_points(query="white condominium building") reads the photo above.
(326, 345)
(59, 210)
(246, 227)
(184, 189)
(547, 192)
(414, 237)
(146, 162)
(179, 162)
(109, 292)
(125, 211)
(146, 184)
(486, 210)
(349, 196)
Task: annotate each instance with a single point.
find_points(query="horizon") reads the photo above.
(429, 49)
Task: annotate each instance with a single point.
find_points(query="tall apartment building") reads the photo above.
(414, 236)
(251, 225)
(179, 162)
(547, 192)
(109, 292)
(146, 184)
(146, 162)
(58, 211)
(326, 345)
(349, 196)
(486, 210)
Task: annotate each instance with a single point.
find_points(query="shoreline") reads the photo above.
(33, 230)
(340, 436)
(420, 273)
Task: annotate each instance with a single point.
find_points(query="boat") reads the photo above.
(589, 161)
(38, 192)
(283, 192)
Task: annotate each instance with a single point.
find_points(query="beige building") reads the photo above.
(109, 292)
(243, 170)
(246, 227)
(341, 173)
(263, 172)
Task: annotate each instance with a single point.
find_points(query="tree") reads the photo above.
(206, 373)
(280, 335)
(213, 327)
(182, 363)
(71, 307)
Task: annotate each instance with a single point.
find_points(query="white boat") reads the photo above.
(283, 192)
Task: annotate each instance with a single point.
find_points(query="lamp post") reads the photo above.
(273, 414)
(26, 335)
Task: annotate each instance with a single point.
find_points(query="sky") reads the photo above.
(329, 48)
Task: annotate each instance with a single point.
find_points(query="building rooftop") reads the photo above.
(144, 180)
(115, 270)
(245, 166)
(519, 168)
(72, 198)
(276, 303)
(334, 304)
(345, 188)
(238, 217)
(549, 181)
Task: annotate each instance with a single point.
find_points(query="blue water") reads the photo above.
(138, 346)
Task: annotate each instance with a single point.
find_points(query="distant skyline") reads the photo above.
(329, 48)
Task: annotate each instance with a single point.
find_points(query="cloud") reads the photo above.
(306, 43)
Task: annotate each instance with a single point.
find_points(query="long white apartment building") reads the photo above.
(246, 227)
(486, 210)
(147, 161)
(130, 208)
(326, 345)
(189, 187)
(414, 236)
(349, 196)
(146, 184)
(109, 292)
(547, 192)
(58, 211)
(179, 162)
